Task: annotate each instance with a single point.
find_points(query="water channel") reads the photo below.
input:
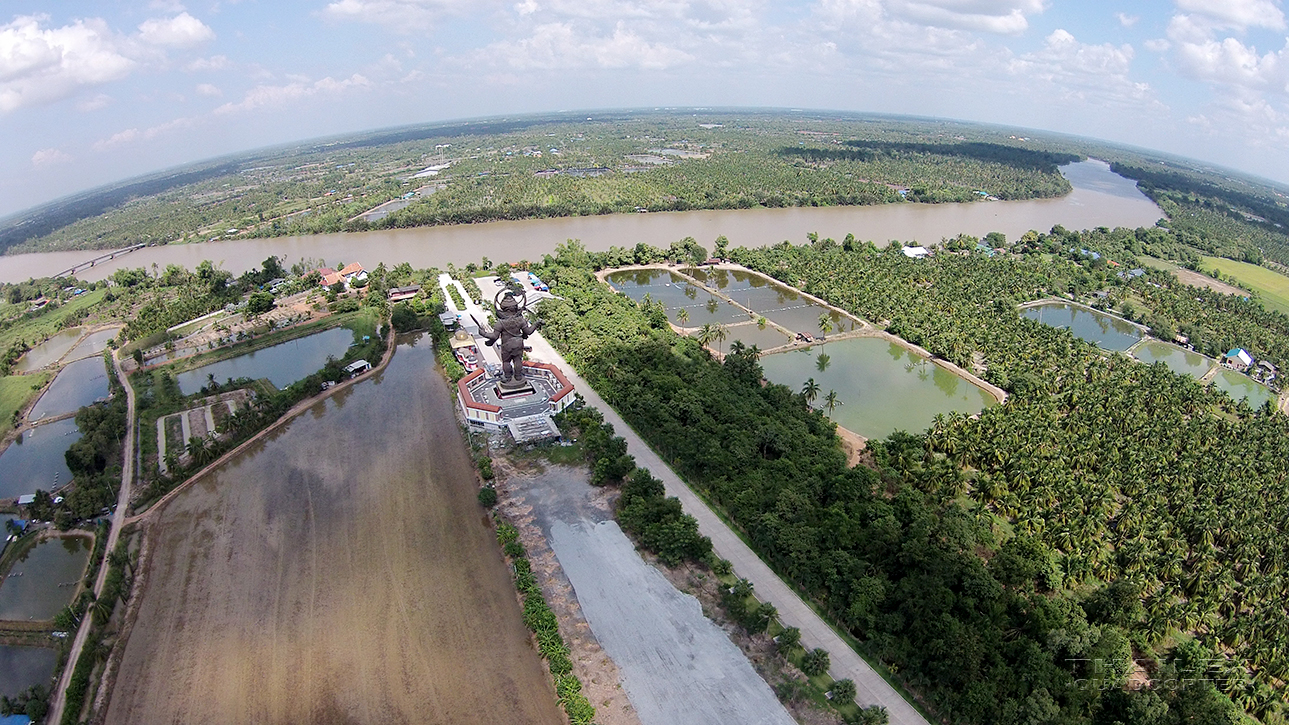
(36, 459)
(282, 364)
(78, 384)
(1104, 331)
(48, 352)
(22, 667)
(339, 570)
(1100, 198)
(45, 579)
(882, 386)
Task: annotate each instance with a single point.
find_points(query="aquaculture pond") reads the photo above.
(282, 364)
(48, 352)
(1102, 330)
(22, 667)
(675, 293)
(93, 344)
(37, 460)
(882, 386)
(749, 333)
(1182, 362)
(44, 580)
(1239, 385)
(772, 300)
(77, 385)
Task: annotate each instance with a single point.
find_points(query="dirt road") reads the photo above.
(339, 572)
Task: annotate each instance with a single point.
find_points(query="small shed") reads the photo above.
(916, 252)
(1238, 358)
(27, 499)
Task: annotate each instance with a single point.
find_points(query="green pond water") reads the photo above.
(37, 459)
(282, 364)
(749, 333)
(1239, 385)
(774, 301)
(22, 667)
(1182, 362)
(78, 384)
(1104, 331)
(43, 581)
(882, 386)
(48, 352)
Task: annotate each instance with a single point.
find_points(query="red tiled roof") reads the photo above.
(463, 387)
(353, 268)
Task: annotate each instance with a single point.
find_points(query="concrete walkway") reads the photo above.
(793, 612)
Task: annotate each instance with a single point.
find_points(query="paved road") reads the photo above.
(793, 612)
(118, 522)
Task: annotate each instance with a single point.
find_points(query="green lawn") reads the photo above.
(44, 325)
(1272, 286)
(15, 391)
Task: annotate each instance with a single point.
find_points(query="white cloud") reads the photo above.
(101, 100)
(1005, 17)
(49, 157)
(1157, 45)
(214, 62)
(181, 31)
(130, 135)
(1127, 20)
(400, 15)
(40, 65)
(1085, 71)
(265, 95)
(560, 46)
(206, 89)
(1236, 14)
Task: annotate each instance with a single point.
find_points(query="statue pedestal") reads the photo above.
(508, 391)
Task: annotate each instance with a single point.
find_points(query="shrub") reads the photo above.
(843, 691)
(815, 662)
(487, 497)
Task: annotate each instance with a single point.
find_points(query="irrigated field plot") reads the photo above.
(341, 572)
(1271, 285)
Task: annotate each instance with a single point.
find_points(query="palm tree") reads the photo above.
(682, 316)
(825, 324)
(706, 334)
(719, 333)
(831, 401)
(810, 391)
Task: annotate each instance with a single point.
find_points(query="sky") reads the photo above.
(96, 92)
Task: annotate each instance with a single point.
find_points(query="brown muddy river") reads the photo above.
(1100, 198)
(339, 572)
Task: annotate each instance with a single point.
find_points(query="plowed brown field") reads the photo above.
(340, 572)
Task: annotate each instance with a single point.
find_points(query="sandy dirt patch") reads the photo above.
(677, 666)
(338, 572)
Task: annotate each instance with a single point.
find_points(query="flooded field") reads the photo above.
(22, 667)
(78, 384)
(282, 364)
(48, 352)
(1239, 385)
(339, 572)
(882, 387)
(45, 579)
(1104, 331)
(36, 460)
(1182, 362)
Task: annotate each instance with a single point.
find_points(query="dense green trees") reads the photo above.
(992, 561)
